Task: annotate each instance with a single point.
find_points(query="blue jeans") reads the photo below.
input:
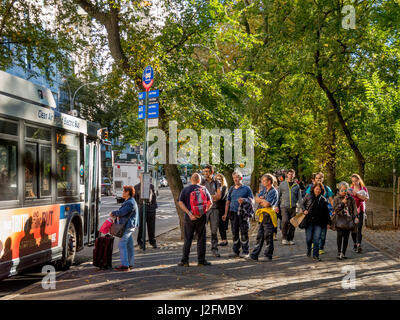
(126, 249)
(313, 235)
(323, 238)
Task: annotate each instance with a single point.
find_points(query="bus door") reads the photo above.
(92, 190)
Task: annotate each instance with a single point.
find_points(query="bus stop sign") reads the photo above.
(148, 77)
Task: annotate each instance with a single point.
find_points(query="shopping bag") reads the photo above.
(106, 226)
(297, 219)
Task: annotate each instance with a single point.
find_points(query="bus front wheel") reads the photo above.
(69, 250)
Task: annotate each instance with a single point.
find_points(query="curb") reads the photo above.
(59, 275)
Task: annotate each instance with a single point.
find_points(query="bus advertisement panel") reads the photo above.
(28, 230)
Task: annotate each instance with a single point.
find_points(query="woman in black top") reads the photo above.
(223, 225)
(315, 207)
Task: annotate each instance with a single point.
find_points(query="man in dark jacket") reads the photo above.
(151, 206)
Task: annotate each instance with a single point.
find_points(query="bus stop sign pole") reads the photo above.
(147, 81)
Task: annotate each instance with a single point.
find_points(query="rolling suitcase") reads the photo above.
(102, 252)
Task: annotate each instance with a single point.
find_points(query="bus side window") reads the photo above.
(8, 170)
(37, 162)
(30, 171)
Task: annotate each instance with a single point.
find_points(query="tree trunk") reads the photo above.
(331, 150)
(228, 176)
(110, 21)
(254, 181)
(172, 173)
(353, 145)
(176, 186)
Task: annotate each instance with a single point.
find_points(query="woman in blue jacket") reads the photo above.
(127, 215)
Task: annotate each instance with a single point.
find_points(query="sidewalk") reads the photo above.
(291, 275)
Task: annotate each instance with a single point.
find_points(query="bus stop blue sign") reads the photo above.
(148, 77)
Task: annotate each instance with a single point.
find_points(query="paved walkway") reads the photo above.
(291, 275)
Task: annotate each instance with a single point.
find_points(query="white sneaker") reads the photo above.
(245, 256)
(285, 242)
(291, 242)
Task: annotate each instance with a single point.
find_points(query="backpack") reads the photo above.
(199, 201)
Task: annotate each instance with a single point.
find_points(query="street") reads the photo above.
(290, 275)
(166, 219)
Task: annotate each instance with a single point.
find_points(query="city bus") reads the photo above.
(50, 177)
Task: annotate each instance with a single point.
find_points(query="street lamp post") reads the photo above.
(71, 105)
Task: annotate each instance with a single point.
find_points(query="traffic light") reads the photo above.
(104, 136)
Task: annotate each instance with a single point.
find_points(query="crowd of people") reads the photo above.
(280, 199)
(210, 200)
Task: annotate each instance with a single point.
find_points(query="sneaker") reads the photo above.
(264, 259)
(244, 255)
(275, 237)
(339, 256)
(154, 246)
(317, 259)
(355, 248)
(309, 254)
(250, 258)
(234, 255)
(183, 264)
(215, 253)
(204, 263)
(223, 243)
(291, 242)
(130, 267)
(359, 250)
(344, 257)
(122, 268)
(285, 242)
(321, 251)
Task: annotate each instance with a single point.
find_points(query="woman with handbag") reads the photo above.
(360, 195)
(315, 207)
(127, 217)
(344, 214)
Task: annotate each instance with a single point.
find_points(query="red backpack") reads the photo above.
(199, 202)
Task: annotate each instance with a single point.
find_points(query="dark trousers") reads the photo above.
(313, 235)
(342, 240)
(151, 227)
(223, 225)
(190, 227)
(213, 217)
(238, 224)
(286, 227)
(357, 235)
(265, 233)
(322, 241)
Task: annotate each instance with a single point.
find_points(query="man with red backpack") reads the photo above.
(195, 201)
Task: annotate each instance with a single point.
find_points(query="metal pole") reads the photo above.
(145, 165)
